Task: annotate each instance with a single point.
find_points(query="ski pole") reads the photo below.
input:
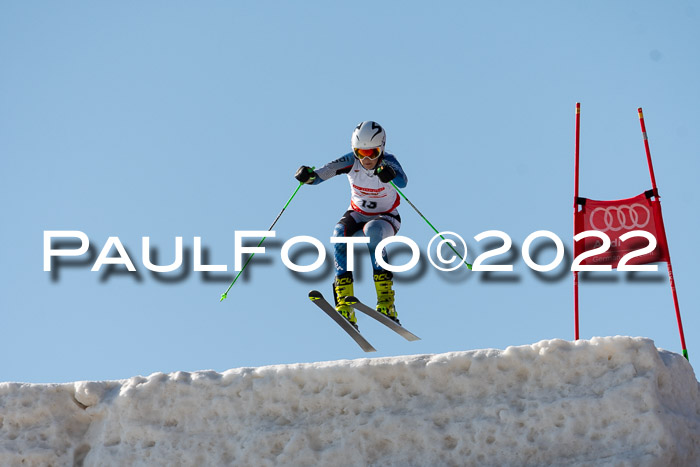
(223, 296)
(431, 225)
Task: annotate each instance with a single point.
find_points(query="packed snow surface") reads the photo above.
(607, 401)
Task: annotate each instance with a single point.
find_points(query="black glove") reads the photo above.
(386, 173)
(305, 174)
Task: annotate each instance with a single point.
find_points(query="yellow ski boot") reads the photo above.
(383, 282)
(342, 287)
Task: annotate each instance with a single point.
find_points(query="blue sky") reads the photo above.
(174, 119)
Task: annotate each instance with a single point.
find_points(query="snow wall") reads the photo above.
(607, 401)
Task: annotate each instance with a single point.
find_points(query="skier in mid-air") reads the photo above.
(373, 210)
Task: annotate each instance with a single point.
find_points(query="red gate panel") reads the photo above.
(615, 218)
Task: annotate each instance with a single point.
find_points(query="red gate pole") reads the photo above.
(670, 268)
(578, 131)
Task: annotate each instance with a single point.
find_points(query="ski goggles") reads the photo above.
(370, 154)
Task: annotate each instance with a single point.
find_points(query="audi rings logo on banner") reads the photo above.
(616, 218)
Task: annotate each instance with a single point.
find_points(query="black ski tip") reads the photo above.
(315, 295)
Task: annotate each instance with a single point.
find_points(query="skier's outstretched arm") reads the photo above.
(339, 166)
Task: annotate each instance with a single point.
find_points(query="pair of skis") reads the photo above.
(317, 298)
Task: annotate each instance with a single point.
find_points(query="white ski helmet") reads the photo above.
(368, 135)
